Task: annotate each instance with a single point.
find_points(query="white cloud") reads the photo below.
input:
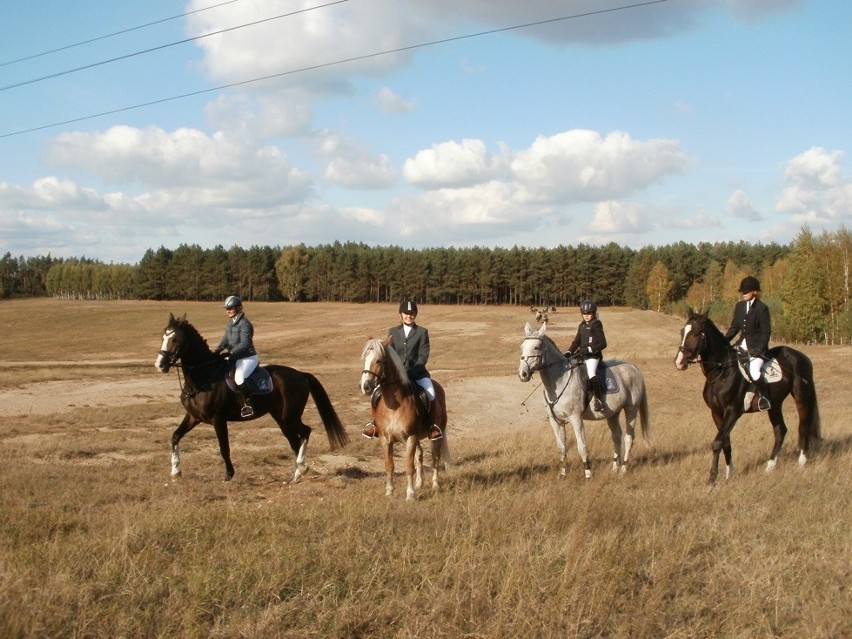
(389, 102)
(451, 164)
(613, 218)
(580, 165)
(816, 192)
(741, 207)
(350, 165)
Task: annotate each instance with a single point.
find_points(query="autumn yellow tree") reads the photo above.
(659, 286)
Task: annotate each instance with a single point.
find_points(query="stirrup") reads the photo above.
(247, 411)
(763, 403)
(435, 433)
(370, 431)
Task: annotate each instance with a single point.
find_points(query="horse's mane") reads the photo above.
(194, 342)
(712, 330)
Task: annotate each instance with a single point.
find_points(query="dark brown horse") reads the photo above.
(789, 372)
(397, 417)
(207, 398)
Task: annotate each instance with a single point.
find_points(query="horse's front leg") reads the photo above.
(220, 425)
(559, 433)
(189, 422)
(388, 466)
(418, 465)
(580, 435)
(413, 464)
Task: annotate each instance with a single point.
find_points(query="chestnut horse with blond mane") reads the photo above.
(398, 417)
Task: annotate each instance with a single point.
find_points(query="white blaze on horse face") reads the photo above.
(166, 337)
(368, 379)
(681, 362)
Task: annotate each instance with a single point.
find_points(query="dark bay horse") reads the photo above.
(207, 398)
(396, 415)
(789, 372)
(566, 402)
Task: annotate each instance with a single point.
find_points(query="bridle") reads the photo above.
(171, 357)
(709, 367)
(540, 364)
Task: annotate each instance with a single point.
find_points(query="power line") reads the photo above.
(334, 63)
(116, 33)
(164, 46)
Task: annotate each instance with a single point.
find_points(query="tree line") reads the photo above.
(805, 283)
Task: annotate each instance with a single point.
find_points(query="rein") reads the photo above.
(184, 380)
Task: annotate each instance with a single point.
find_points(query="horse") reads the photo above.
(788, 371)
(207, 397)
(565, 397)
(398, 417)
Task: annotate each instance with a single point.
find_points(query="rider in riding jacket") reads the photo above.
(411, 342)
(588, 344)
(238, 340)
(751, 318)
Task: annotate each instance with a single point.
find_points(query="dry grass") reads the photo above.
(97, 541)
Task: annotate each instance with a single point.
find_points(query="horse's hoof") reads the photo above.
(177, 475)
(802, 459)
(770, 465)
(587, 474)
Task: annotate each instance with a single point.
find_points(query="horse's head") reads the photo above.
(375, 357)
(173, 340)
(693, 339)
(532, 352)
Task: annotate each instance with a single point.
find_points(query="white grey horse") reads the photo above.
(565, 397)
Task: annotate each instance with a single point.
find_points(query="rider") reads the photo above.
(411, 342)
(238, 339)
(751, 317)
(588, 344)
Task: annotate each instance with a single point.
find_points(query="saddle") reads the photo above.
(258, 383)
(421, 401)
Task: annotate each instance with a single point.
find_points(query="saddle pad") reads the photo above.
(771, 370)
(608, 380)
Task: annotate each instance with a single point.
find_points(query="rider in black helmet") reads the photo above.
(589, 344)
(411, 342)
(751, 318)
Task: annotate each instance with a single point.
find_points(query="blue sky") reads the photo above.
(678, 120)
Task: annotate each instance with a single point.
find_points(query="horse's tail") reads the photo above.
(337, 436)
(804, 391)
(644, 411)
(445, 452)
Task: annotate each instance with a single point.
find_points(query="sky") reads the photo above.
(127, 126)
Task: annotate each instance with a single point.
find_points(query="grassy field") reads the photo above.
(96, 539)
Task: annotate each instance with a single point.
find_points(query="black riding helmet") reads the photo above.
(749, 284)
(588, 306)
(408, 306)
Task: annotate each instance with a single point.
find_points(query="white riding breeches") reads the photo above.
(592, 366)
(426, 384)
(244, 368)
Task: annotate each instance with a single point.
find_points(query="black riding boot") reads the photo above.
(597, 391)
(248, 409)
(763, 402)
